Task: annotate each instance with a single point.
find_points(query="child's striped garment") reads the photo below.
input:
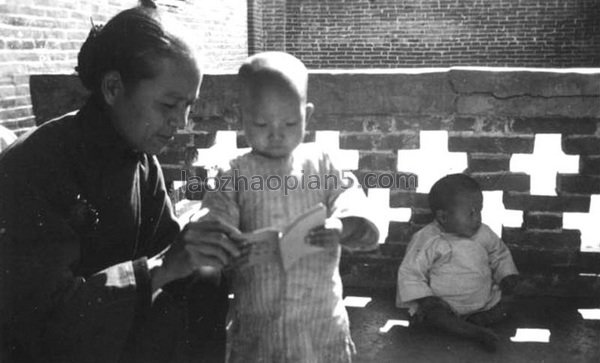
(295, 315)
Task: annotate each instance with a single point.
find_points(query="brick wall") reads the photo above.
(491, 117)
(432, 33)
(42, 36)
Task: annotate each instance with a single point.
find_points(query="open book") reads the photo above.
(289, 242)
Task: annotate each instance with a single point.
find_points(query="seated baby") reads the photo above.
(456, 268)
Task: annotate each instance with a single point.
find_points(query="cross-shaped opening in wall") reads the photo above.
(495, 215)
(547, 160)
(380, 198)
(432, 160)
(330, 142)
(224, 149)
(588, 224)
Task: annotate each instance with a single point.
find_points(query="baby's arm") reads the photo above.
(504, 271)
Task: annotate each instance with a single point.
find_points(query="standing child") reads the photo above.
(295, 314)
(455, 268)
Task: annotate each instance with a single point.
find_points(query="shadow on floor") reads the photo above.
(572, 338)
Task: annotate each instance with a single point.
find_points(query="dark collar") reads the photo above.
(99, 133)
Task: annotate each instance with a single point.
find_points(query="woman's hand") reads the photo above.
(202, 246)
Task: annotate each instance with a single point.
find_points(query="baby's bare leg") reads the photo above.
(437, 314)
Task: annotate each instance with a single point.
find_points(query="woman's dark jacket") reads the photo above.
(80, 212)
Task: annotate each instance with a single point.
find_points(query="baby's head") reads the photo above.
(274, 109)
(456, 202)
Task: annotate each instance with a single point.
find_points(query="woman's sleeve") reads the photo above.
(47, 311)
(160, 224)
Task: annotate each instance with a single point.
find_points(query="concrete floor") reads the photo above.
(572, 338)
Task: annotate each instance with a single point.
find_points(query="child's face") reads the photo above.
(274, 121)
(463, 218)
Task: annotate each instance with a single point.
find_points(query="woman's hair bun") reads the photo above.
(130, 44)
(148, 4)
(87, 54)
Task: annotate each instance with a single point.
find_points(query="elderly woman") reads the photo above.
(88, 239)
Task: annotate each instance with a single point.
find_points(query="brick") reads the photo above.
(589, 262)
(55, 95)
(183, 173)
(393, 249)
(491, 144)
(204, 140)
(562, 125)
(543, 261)
(589, 165)
(400, 232)
(182, 140)
(479, 162)
(584, 145)
(542, 220)
(527, 106)
(377, 124)
(577, 184)
(511, 84)
(421, 122)
(173, 156)
(360, 141)
(421, 217)
(372, 270)
(336, 123)
(365, 94)
(212, 124)
(463, 124)
(564, 240)
(404, 199)
(506, 181)
(399, 141)
(382, 161)
(526, 202)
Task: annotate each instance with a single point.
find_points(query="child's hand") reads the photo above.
(326, 236)
(508, 284)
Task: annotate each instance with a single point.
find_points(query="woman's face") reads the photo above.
(149, 113)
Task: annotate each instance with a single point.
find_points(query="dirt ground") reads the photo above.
(572, 338)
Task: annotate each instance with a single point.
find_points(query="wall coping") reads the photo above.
(448, 69)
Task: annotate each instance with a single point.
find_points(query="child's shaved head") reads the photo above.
(274, 69)
(273, 105)
(445, 190)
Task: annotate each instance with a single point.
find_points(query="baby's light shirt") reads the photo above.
(464, 272)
